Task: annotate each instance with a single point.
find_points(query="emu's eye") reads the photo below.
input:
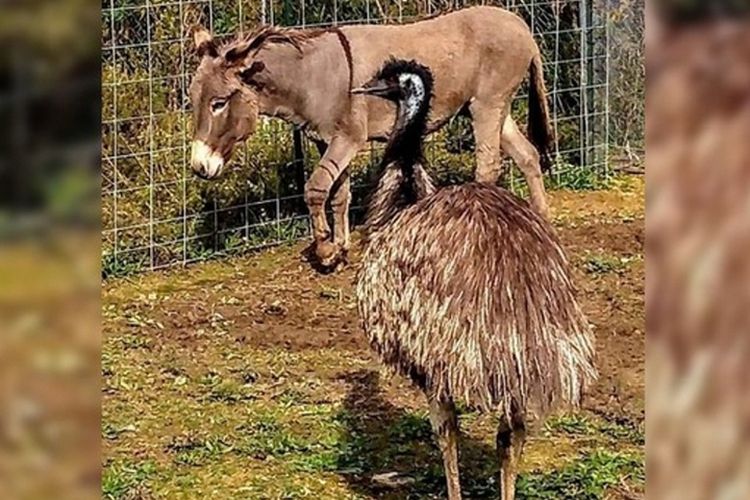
(218, 105)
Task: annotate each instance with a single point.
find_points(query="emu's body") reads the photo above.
(466, 291)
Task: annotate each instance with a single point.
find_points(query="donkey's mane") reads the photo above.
(265, 35)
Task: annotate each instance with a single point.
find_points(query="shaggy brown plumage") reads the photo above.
(466, 290)
(468, 293)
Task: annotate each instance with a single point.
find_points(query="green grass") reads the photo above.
(577, 179)
(411, 427)
(121, 266)
(622, 431)
(113, 432)
(125, 480)
(258, 412)
(230, 392)
(191, 408)
(586, 478)
(198, 451)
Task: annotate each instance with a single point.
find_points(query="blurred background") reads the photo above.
(93, 180)
(698, 227)
(49, 249)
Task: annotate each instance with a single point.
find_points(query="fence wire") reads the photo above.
(155, 213)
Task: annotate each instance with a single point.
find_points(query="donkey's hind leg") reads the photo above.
(527, 158)
(487, 118)
(445, 425)
(510, 440)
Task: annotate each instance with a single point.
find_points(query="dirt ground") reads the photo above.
(249, 378)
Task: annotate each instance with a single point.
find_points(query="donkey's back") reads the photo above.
(479, 52)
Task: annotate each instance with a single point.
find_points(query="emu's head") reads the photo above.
(224, 98)
(409, 85)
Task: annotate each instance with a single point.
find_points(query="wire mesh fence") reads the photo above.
(155, 213)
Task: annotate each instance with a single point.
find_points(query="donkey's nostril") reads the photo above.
(198, 167)
(200, 171)
(206, 163)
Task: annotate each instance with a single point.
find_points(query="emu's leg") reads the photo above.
(527, 158)
(487, 118)
(340, 202)
(335, 160)
(510, 439)
(445, 425)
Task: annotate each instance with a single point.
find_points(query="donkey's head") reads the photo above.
(224, 96)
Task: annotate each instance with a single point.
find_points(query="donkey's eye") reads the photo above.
(218, 104)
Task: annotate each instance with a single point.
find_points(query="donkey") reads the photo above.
(479, 57)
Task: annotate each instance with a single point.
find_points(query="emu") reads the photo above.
(466, 291)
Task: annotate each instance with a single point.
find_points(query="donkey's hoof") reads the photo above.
(327, 253)
(343, 257)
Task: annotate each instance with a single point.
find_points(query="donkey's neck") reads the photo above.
(308, 88)
(283, 94)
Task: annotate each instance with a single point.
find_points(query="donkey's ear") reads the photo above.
(204, 42)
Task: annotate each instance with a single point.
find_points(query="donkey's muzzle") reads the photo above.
(205, 162)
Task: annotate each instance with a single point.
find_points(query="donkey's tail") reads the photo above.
(540, 126)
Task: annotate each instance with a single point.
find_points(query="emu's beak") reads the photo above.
(378, 88)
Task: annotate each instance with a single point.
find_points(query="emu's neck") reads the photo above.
(405, 143)
(403, 181)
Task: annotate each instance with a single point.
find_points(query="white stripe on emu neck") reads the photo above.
(414, 93)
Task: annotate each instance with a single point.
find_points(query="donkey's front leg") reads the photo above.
(335, 161)
(340, 202)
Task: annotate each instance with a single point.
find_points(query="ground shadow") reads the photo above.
(383, 438)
